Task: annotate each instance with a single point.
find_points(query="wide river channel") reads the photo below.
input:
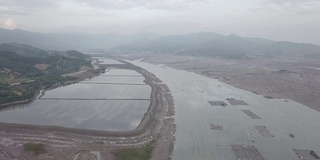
(247, 127)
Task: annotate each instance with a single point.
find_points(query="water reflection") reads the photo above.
(195, 115)
(73, 110)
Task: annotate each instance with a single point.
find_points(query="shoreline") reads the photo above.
(42, 91)
(154, 125)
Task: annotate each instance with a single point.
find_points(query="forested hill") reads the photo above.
(24, 70)
(28, 61)
(23, 50)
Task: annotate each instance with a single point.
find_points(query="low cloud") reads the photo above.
(12, 11)
(9, 24)
(150, 4)
(26, 7)
(109, 4)
(29, 3)
(287, 6)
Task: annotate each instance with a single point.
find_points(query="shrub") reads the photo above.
(37, 148)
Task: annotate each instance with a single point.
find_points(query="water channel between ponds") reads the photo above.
(114, 101)
(217, 121)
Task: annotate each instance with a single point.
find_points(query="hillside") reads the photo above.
(22, 60)
(24, 70)
(15, 64)
(76, 54)
(23, 50)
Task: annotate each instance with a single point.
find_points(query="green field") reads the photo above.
(143, 153)
(37, 148)
(7, 79)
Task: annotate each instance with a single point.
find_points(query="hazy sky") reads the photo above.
(294, 20)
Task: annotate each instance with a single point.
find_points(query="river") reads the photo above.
(269, 128)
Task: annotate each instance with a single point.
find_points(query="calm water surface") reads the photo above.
(107, 60)
(83, 90)
(80, 105)
(119, 79)
(195, 140)
(121, 115)
(122, 72)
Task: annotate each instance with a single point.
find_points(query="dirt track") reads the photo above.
(62, 143)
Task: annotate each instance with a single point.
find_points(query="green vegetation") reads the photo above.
(76, 54)
(143, 153)
(26, 91)
(17, 93)
(37, 148)
(18, 65)
(7, 79)
(21, 74)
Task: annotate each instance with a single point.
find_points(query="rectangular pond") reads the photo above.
(119, 79)
(104, 60)
(122, 72)
(121, 115)
(100, 90)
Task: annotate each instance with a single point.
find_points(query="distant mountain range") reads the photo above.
(69, 41)
(196, 44)
(230, 46)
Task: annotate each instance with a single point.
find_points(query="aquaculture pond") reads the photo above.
(103, 60)
(114, 103)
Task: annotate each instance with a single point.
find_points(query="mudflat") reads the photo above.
(297, 79)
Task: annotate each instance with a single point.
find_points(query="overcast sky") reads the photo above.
(293, 20)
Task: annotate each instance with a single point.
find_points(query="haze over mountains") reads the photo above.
(196, 44)
(230, 46)
(67, 41)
